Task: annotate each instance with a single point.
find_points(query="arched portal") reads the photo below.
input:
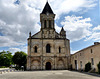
(48, 66)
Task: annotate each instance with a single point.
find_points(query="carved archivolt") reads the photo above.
(35, 64)
(48, 60)
(36, 46)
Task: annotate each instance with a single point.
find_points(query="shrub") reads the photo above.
(3, 67)
(88, 67)
(98, 65)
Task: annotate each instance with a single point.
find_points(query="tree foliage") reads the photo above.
(20, 59)
(88, 67)
(5, 58)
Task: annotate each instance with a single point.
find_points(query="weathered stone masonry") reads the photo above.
(48, 49)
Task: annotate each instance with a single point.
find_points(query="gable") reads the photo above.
(37, 35)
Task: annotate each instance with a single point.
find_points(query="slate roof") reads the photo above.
(46, 9)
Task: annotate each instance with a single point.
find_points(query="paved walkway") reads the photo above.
(60, 74)
(4, 68)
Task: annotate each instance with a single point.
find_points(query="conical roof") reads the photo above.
(62, 29)
(47, 9)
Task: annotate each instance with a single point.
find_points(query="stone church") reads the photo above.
(47, 49)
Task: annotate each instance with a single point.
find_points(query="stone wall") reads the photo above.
(86, 55)
(58, 60)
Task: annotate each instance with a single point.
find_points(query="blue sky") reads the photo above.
(80, 19)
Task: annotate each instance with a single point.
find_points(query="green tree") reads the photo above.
(5, 58)
(98, 65)
(88, 67)
(20, 59)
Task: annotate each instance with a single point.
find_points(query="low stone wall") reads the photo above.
(6, 70)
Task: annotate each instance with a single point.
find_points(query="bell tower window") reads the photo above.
(49, 23)
(59, 49)
(45, 23)
(48, 48)
(35, 49)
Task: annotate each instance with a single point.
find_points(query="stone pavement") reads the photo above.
(3, 68)
(57, 74)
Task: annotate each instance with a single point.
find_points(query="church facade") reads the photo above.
(47, 49)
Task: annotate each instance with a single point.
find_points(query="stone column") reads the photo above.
(52, 24)
(42, 56)
(42, 24)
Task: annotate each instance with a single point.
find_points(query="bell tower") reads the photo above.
(47, 22)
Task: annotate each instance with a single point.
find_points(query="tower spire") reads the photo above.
(63, 32)
(47, 8)
(47, 17)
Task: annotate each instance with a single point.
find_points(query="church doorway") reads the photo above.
(48, 66)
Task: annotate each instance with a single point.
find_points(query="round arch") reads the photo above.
(48, 60)
(35, 64)
(35, 48)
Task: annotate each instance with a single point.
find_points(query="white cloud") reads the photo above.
(95, 36)
(16, 21)
(96, 28)
(58, 29)
(7, 42)
(74, 51)
(21, 48)
(66, 6)
(77, 27)
(13, 50)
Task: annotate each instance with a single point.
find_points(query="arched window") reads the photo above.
(45, 23)
(48, 48)
(49, 23)
(35, 49)
(59, 49)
